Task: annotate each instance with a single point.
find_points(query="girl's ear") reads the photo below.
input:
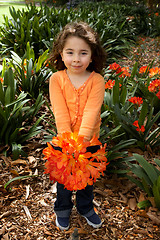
(61, 55)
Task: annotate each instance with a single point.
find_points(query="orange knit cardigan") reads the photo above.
(77, 109)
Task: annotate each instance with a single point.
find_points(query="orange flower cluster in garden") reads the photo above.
(74, 166)
(154, 71)
(136, 100)
(109, 84)
(117, 68)
(1, 79)
(143, 69)
(136, 124)
(125, 72)
(154, 86)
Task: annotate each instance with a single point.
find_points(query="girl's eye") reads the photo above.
(69, 53)
(84, 53)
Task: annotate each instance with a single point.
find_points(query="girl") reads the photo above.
(76, 95)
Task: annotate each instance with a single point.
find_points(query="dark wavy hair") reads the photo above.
(84, 31)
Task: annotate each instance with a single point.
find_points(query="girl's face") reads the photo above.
(76, 55)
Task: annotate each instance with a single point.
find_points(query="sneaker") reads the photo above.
(93, 220)
(62, 223)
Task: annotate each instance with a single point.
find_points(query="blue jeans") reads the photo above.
(84, 197)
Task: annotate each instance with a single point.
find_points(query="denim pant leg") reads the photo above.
(84, 200)
(63, 204)
(84, 197)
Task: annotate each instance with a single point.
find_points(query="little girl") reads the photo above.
(76, 95)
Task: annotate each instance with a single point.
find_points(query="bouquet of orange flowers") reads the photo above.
(74, 166)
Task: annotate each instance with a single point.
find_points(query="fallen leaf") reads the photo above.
(43, 203)
(27, 212)
(5, 237)
(132, 203)
(7, 160)
(13, 171)
(154, 218)
(27, 191)
(54, 188)
(47, 232)
(141, 197)
(124, 198)
(19, 161)
(2, 230)
(142, 213)
(6, 214)
(32, 161)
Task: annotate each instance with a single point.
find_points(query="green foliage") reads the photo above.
(118, 111)
(51, 130)
(31, 74)
(117, 24)
(39, 26)
(148, 178)
(17, 113)
(18, 178)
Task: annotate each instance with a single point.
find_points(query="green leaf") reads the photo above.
(144, 204)
(143, 113)
(134, 70)
(41, 60)
(2, 99)
(156, 192)
(18, 178)
(116, 92)
(146, 187)
(157, 161)
(148, 168)
(137, 182)
(153, 137)
(123, 95)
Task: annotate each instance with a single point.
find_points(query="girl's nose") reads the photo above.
(76, 58)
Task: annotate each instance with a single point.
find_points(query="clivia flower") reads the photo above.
(125, 72)
(154, 71)
(139, 129)
(109, 84)
(1, 79)
(154, 86)
(143, 69)
(115, 67)
(158, 94)
(74, 166)
(136, 100)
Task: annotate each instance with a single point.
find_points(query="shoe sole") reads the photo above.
(61, 227)
(92, 224)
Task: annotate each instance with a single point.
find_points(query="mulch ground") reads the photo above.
(26, 206)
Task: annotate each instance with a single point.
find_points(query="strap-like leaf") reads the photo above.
(148, 168)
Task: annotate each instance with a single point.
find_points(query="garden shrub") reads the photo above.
(123, 106)
(31, 74)
(40, 25)
(17, 112)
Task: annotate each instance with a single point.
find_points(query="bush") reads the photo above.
(123, 106)
(16, 113)
(40, 25)
(147, 177)
(31, 74)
